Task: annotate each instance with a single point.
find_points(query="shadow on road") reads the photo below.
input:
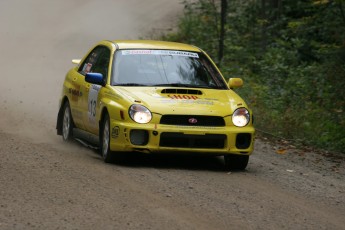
(182, 161)
(168, 161)
(172, 161)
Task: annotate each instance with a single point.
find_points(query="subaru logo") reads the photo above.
(192, 120)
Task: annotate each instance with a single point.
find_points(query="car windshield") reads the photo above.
(165, 68)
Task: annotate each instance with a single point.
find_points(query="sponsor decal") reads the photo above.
(75, 92)
(115, 132)
(160, 52)
(186, 101)
(87, 67)
(183, 97)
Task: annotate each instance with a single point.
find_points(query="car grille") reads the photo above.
(180, 140)
(191, 120)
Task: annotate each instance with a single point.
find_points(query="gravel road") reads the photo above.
(48, 184)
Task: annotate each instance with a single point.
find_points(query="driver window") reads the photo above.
(96, 62)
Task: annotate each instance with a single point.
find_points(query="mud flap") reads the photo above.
(59, 122)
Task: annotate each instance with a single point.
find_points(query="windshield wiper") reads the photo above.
(187, 85)
(177, 85)
(171, 85)
(130, 84)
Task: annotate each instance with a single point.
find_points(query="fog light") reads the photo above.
(139, 137)
(243, 140)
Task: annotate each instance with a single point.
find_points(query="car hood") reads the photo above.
(170, 100)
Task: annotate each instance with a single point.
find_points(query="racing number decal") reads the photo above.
(92, 108)
(92, 103)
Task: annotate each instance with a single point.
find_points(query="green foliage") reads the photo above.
(291, 55)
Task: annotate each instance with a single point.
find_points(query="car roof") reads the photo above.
(150, 44)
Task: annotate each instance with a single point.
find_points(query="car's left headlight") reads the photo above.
(140, 114)
(241, 117)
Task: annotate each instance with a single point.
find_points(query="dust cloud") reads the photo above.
(39, 39)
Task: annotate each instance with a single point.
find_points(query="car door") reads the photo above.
(73, 84)
(96, 62)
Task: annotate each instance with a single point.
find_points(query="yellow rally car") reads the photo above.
(154, 96)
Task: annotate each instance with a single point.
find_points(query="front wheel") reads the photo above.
(67, 123)
(105, 140)
(236, 162)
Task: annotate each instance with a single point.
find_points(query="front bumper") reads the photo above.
(154, 138)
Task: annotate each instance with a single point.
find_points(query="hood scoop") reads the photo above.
(181, 91)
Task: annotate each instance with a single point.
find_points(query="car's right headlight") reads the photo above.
(241, 117)
(140, 114)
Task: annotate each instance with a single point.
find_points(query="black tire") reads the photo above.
(236, 162)
(105, 140)
(67, 123)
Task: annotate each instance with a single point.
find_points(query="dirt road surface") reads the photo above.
(48, 184)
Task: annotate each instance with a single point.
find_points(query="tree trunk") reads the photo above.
(223, 13)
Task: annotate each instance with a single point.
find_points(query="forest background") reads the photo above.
(291, 56)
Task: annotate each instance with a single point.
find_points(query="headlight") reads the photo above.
(241, 117)
(140, 114)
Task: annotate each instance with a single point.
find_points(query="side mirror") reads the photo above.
(94, 78)
(235, 83)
